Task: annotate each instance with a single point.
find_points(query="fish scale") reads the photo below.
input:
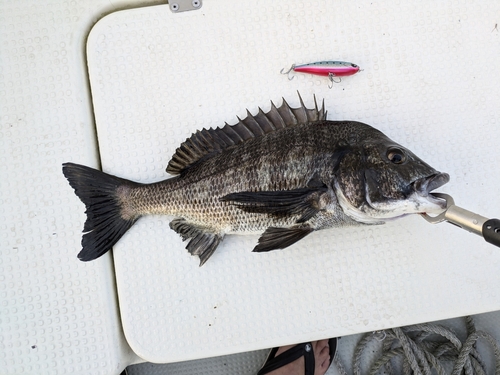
(286, 173)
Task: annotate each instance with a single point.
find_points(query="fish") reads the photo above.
(283, 174)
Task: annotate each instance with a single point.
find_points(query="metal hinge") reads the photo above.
(177, 6)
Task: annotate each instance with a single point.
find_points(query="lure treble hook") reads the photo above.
(288, 72)
(330, 77)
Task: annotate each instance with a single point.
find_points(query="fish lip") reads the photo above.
(424, 186)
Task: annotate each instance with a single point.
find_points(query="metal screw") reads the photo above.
(308, 347)
(174, 7)
(196, 3)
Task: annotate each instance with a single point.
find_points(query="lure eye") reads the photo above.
(354, 65)
(396, 156)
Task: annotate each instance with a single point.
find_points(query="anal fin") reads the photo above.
(203, 241)
(280, 238)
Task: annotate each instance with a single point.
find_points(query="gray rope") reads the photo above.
(448, 334)
(384, 361)
(468, 347)
(411, 355)
(423, 348)
(338, 363)
(358, 352)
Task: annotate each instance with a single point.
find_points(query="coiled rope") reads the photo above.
(422, 349)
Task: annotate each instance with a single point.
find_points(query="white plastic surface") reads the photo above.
(429, 82)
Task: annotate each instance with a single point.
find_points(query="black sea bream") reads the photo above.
(286, 173)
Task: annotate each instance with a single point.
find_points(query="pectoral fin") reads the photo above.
(203, 241)
(280, 238)
(304, 202)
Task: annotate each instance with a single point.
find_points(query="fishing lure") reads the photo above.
(330, 69)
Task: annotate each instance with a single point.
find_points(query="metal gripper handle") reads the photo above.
(489, 229)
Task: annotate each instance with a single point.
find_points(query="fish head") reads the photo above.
(377, 179)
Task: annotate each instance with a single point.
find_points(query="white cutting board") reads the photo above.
(430, 81)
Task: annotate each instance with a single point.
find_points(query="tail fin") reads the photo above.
(105, 223)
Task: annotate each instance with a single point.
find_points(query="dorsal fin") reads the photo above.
(209, 142)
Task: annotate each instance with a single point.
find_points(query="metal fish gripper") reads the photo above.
(489, 229)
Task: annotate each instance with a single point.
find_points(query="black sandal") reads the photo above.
(305, 349)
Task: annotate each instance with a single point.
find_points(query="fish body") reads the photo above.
(284, 173)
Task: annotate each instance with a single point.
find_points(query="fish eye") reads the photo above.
(396, 156)
(354, 65)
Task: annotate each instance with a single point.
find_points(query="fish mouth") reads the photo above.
(424, 187)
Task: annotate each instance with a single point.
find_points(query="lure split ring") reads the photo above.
(330, 69)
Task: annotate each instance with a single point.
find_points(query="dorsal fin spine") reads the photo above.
(300, 113)
(286, 112)
(251, 122)
(275, 117)
(267, 120)
(230, 132)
